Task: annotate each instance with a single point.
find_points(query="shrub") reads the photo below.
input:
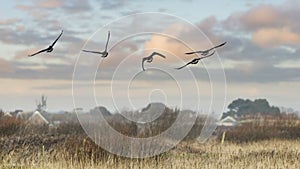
(10, 126)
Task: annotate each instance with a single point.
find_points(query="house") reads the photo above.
(228, 122)
(16, 112)
(7, 115)
(24, 115)
(35, 118)
(56, 119)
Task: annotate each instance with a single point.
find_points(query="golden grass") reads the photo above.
(262, 154)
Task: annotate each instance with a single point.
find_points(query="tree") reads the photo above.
(235, 105)
(42, 105)
(241, 107)
(1, 113)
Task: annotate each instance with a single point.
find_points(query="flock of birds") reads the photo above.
(205, 53)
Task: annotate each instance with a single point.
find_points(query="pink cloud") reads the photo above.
(266, 15)
(23, 54)
(267, 37)
(166, 45)
(32, 10)
(208, 23)
(268, 25)
(42, 4)
(5, 66)
(185, 39)
(9, 21)
(51, 4)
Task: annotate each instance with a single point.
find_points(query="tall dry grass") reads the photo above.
(262, 154)
(267, 144)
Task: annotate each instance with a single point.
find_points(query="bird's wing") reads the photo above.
(182, 66)
(44, 50)
(156, 53)
(191, 62)
(222, 44)
(143, 63)
(208, 55)
(96, 52)
(205, 51)
(108, 36)
(189, 53)
(194, 60)
(57, 38)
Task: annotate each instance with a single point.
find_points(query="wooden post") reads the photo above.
(223, 137)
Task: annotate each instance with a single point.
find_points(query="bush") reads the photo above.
(10, 126)
(283, 127)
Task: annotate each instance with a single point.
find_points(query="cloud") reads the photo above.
(269, 74)
(207, 24)
(76, 6)
(249, 55)
(261, 16)
(44, 9)
(268, 25)
(34, 11)
(66, 86)
(36, 71)
(50, 4)
(176, 39)
(166, 46)
(268, 37)
(5, 66)
(68, 5)
(113, 4)
(25, 37)
(9, 21)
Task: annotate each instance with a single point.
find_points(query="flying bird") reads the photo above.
(195, 61)
(104, 53)
(206, 52)
(50, 48)
(149, 59)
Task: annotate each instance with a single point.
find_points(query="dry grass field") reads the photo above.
(191, 154)
(255, 145)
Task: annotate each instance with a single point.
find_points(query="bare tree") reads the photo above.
(42, 105)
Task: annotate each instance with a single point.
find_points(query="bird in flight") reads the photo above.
(149, 59)
(104, 53)
(50, 48)
(195, 61)
(206, 52)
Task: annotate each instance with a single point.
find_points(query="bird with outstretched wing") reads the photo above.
(149, 59)
(206, 52)
(50, 48)
(195, 61)
(104, 53)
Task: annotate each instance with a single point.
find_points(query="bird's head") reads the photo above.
(50, 49)
(149, 60)
(105, 55)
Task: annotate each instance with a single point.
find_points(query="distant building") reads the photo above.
(228, 122)
(16, 112)
(24, 115)
(46, 118)
(78, 110)
(37, 119)
(7, 114)
(4, 115)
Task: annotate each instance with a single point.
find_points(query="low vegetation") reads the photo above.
(272, 141)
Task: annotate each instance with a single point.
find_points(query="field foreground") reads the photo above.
(57, 152)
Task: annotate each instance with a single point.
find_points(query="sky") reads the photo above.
(260, 59)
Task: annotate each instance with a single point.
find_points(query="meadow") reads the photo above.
(253, 145)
